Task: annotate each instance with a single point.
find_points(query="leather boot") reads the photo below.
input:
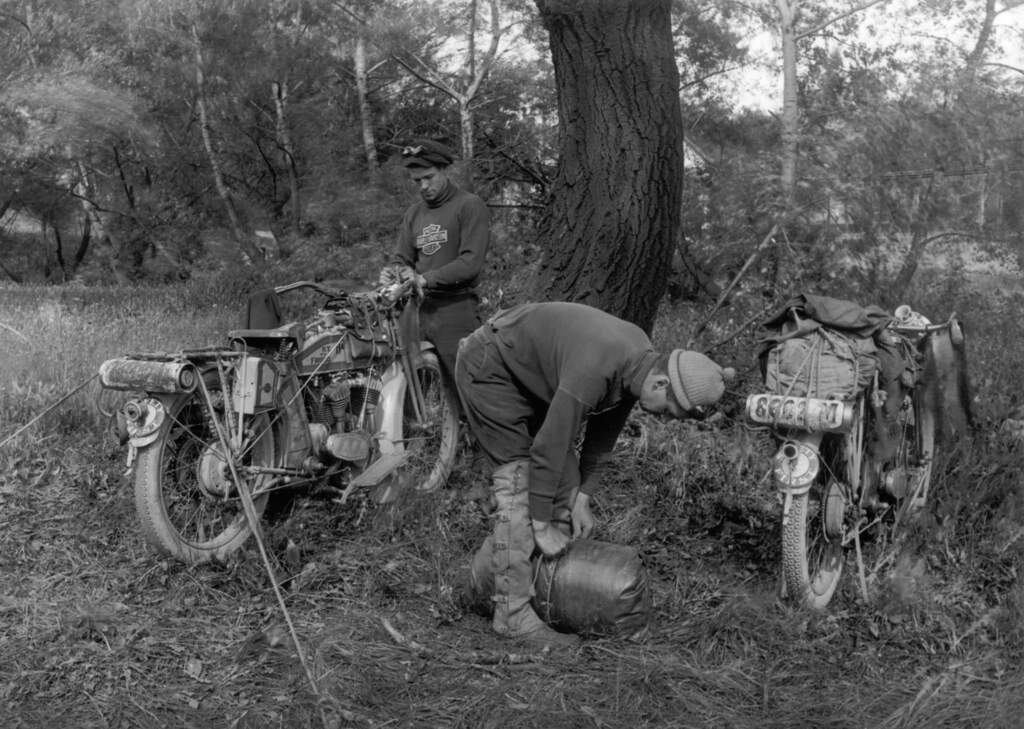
(474, 586)
(511, 548)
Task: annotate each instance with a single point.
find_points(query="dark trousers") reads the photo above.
(444, 320)
(503, 418)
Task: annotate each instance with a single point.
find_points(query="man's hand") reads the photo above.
(549, 540)
(583, 521)
(390, 275)
(407, 274)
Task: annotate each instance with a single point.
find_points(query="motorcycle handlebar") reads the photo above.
(391, 293)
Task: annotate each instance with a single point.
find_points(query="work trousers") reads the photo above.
(503, 420)
(502, 417)
(444, 321)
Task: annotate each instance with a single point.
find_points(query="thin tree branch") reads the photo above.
(1003, 65)
(841, 16)
(427, 77)
(768, 240)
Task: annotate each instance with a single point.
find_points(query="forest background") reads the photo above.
(163, 158)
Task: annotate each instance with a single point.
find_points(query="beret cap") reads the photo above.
(427, 153)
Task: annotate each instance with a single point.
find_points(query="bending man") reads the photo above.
(530, 379)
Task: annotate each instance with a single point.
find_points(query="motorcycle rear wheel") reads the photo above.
(911, 464)
(185, 496)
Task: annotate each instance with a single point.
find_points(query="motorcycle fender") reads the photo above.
(796, 463)
(390, 408)
(150, 422)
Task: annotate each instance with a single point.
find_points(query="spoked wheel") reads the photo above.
(813, 532)
(185, 494)
(431, 445)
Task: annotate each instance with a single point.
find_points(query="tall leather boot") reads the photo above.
(511, 548)
(474, 588)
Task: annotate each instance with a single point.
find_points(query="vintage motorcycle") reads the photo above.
(347, 399)
(855, 450)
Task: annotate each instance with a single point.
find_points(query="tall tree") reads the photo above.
(609, 228)
(463, 84)
(790, 32)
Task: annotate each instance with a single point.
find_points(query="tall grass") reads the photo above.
(55, 340)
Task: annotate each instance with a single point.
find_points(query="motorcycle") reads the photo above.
(853, 466)
(347, 399)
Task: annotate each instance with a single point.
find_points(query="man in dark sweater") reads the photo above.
(442, 243)
(530, 379)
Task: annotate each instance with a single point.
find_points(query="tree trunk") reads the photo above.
(790, 102)
(83, 242)
(609, 228)
(918, 242)
(97, 229)
(977, 54)
(284, 140)
(468, 177)
(365, 113)
(250, 253)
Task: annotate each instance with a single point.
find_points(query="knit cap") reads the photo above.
(696, 379)
(427, 153)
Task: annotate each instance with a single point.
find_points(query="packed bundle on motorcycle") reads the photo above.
(821, 347)
(822, 363)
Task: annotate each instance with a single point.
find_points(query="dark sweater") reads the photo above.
(445, 241)
(586, 366)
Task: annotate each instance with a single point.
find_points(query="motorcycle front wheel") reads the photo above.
(186, 496)
(813, 531)
(432, 444)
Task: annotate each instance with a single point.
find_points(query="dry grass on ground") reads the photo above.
(96, 631)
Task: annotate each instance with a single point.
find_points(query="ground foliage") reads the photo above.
(97, 631)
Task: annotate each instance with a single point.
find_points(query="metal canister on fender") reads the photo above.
(125, 373)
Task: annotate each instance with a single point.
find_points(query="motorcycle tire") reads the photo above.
(432, 444)
(185, 497)
(812, 558)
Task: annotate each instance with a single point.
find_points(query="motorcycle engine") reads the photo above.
(341, 410)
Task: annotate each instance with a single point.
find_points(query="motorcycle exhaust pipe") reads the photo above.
(124, 373)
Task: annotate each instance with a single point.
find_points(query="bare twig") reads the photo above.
(14, 331)
(32, 422)
(401, 639)
(739, 330)
(840, 16)
(768, 239)
(249, 508)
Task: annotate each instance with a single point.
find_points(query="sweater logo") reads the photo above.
(431, 239)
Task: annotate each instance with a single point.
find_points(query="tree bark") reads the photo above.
(365, 113)
(790, 102)
(284, 141)
(608, 231)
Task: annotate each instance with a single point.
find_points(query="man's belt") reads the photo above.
(449, 293)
